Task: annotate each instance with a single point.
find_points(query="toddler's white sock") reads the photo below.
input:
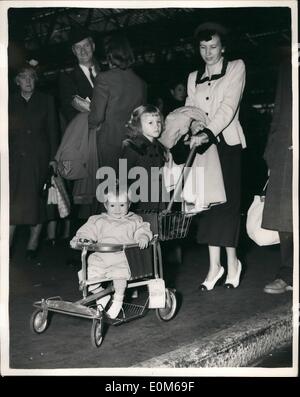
(102, 302)
(116, 306)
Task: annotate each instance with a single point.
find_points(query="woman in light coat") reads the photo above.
(217, 89)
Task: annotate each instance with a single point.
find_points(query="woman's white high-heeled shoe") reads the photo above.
(235, 281)
(209, 285)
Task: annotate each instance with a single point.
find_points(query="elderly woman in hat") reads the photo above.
(217, 88)
(33, 138)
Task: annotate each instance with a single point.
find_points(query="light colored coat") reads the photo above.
(219, 97)
(106, 229)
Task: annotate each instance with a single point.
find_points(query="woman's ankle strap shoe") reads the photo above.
(209, 285)
(234, 282)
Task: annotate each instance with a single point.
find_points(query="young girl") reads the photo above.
(116, 226)
(143, 150)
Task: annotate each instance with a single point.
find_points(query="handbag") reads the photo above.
(55, 193)
(258, 234)
(63, 201)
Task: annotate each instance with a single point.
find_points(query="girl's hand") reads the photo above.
(198, 140)
(143, 242)
(197, 126)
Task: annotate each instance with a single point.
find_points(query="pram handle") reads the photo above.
(184, 173)
(99, 247)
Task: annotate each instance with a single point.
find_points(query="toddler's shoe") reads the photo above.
(115, 308)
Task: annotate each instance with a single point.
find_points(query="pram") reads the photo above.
(146, 270)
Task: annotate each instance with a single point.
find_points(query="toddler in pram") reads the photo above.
(116, 226)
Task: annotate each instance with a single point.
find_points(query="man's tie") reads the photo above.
(92, 77)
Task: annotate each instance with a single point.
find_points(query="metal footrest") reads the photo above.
(71, 308)
(128, 312)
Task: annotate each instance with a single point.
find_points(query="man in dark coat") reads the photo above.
(278, 202)
(81, 80)
(79, 83)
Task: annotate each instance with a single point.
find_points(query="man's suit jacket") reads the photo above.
(116, 94)
(70, 84)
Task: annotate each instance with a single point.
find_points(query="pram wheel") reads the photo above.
(97, 332)
(38, 321)
(168, 312)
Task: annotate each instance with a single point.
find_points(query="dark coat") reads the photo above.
(278, 155)
(33, 139)
(116, 94)
(70, 84)
(140, 152)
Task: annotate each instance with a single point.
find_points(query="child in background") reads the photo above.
(175, 97)
(116, 226)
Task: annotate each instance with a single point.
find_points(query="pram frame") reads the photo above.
(40, 318)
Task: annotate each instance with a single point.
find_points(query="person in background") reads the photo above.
(217, 88)
(79, 82)
(176, 96)
(278, 210)
(33, 140)
(116, 93)
(75, 94)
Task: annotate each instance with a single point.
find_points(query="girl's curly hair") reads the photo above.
(134, 124)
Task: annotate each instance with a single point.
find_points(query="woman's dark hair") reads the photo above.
(134, 124)
(205, 31)
(118, 51)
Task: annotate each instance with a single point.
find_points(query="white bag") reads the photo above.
(171, 173)
(157, 293)
(52, 193)
(258, 234)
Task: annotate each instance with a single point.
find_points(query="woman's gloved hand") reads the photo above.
(198, 140)
(197, 126)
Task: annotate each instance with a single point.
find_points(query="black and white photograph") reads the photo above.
(178, 122)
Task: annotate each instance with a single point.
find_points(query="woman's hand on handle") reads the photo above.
(197, 140)
(197, 126)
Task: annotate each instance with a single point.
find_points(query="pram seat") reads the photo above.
(140, 262)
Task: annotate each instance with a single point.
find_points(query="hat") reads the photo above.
(76, 35)
(211, 26)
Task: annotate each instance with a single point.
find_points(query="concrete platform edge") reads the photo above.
(236, 346)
